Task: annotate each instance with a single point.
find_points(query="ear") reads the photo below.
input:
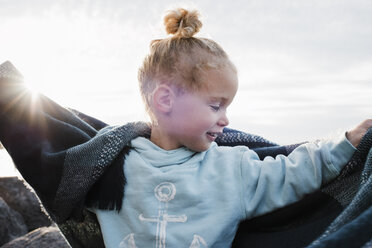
(163, 97)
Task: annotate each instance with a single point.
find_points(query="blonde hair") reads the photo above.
(179, 59)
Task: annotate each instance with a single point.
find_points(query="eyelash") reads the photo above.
(215, 108)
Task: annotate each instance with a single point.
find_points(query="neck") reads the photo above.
(161, 138)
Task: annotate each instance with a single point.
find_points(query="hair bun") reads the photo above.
(182, 23)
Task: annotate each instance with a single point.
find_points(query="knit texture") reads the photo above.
(356, 219)
(85, 164)
(8, 71)
(70, 165)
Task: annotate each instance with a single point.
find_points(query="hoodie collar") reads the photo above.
(159, 157)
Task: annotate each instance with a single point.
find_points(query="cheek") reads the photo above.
(193, 121)
(191, 115)
(202, 122)
(191, 111)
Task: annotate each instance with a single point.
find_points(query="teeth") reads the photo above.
(213, 134)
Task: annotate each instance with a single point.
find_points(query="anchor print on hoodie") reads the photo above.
(182, 198)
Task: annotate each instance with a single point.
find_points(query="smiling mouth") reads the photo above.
(213, 135)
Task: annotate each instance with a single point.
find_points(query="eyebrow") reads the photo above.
(218, 99)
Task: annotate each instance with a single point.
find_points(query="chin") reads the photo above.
(200, 148)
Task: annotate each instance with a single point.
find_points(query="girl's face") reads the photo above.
(197, 118)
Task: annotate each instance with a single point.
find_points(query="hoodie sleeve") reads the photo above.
(276, 182)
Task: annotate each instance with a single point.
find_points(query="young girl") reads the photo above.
(182, 189)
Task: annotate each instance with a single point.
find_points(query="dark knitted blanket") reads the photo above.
(70, 167)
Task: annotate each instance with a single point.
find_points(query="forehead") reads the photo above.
(219, 83)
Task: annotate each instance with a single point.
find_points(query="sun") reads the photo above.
(33, 89)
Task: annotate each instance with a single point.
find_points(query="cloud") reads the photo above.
(289, 53)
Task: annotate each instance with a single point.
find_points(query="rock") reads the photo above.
(49, 237)
(12, 224)
(23, 200)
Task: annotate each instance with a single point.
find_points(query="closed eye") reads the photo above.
(215, 107)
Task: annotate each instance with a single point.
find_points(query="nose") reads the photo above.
(223, 121)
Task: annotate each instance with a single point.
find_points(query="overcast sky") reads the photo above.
(305, 67)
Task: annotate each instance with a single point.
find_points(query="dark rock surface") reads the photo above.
(49, 237)
(23, 200)
(12, 224)
(23, 222)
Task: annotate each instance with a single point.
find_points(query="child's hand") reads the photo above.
(355, 135)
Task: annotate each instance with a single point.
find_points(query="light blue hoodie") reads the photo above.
(181, 198)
